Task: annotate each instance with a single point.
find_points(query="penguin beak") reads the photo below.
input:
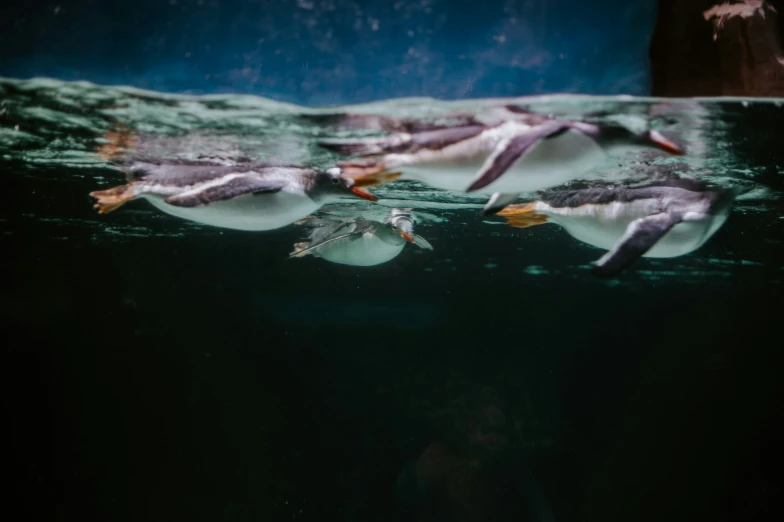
(664, 144)
(364, 194)
(408, 237)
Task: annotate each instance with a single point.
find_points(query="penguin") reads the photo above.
(243, 196)
(524, 152)
(670, 218)
(378, 122)
(490, 115)
(361, 242)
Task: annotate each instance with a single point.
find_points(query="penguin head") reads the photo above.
(332, 184)
(402, 222)
(618, 136)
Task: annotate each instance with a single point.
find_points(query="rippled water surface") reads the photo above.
(58, 134)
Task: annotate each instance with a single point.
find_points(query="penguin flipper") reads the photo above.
(640, 236)
(301, 250)
(234, 185)
(313, 246)
(511, 150)
(331, 229)
(422, 242)
(391, 239)
(314, 222)
(498, 202)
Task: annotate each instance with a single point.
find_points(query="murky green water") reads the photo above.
(197, 373)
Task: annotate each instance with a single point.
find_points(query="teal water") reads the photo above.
(181, 371)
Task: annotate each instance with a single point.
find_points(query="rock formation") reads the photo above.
(711, 48)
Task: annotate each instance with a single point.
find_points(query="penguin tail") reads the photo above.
(113, 198)
(300, 250)
(522, 216)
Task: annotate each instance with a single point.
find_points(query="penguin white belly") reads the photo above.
(454, 176)
(364, 250)
(450, 168)
(551, 162)
(592, 230)
(686, 237)
(603, 225)
(249, 212)
(599, 225)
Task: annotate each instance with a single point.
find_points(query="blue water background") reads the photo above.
(318, 52)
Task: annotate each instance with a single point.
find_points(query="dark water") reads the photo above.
(155, 369)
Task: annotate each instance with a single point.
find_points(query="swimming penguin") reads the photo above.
(523, 153)
(246, 196)
(361, 242)
(491, 115)
(377, 122)
(665, 219)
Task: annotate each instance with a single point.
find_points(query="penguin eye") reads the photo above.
(336, 181)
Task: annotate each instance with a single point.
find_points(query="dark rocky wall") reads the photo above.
(712, 48)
